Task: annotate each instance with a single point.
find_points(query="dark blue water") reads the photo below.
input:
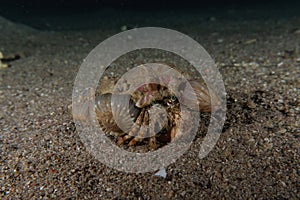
(97, 14)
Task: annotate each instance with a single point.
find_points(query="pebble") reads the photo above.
(282, 130)
(280, 64)
(251, 104)
(220, 40)
(251, 41)
(162, 173)
(124, 28)
(296, 31)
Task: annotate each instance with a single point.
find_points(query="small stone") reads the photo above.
(162, 173)
(251, 104)
(170, 194)
(251, 41)
(124, 28)
(183, 193)
(3, 66)
(280, 64)
(282, 130)
(283, 183)
(296, 31)
(220, 40)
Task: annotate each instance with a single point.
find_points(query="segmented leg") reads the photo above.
(135, 129)
(143, 131)
(149, 123)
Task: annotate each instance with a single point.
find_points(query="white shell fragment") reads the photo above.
(162, 173)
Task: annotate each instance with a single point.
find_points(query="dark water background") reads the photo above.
(97, 14)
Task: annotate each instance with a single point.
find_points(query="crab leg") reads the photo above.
(143, 131)
(135, 129)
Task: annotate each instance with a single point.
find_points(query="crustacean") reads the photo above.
(153, 109)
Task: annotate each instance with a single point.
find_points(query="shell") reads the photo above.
(122, 121)
(205, 100)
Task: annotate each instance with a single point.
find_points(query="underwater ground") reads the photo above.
(257, 51)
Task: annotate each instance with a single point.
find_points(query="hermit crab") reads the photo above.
(145, 104)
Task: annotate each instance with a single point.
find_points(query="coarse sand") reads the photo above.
(256, 156)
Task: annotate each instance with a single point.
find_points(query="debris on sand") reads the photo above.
(2, 65)
(162, 173)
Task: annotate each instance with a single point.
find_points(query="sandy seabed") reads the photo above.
(257, 155)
